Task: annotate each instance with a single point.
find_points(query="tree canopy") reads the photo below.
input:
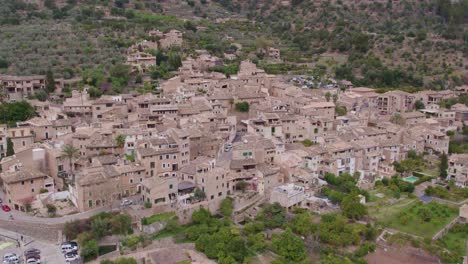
(12, 112)
(289, 246)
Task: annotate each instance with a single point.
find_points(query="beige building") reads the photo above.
(319, 109)
(461, 112)
(95, 186)
(3, 140)
(21, 136)
(171, 38)
(395, 101)
(140, 61)
(159, 155)
(203, 173)
(78, 104)
(458, 169)
(19, 87)
(106, 104)
(21, 186)
(160, 192)
(288, 196)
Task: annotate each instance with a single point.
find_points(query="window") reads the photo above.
(32, 190)
(220, 194)
(22, 183)
(131, 180)
(170, 186)
(212, 197)
(152, 165)
(32, 181)
(90, 203)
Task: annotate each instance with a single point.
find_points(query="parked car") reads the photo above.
(126, 202)
(32, 255)
(227, 147)
(10, 258)
(69, 257)
(6, 208)
(68, 247)
(33, 261)
(32, 250)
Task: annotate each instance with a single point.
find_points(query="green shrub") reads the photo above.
(242, 107)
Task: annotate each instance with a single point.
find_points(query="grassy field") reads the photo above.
(157, 218)
(455, 239)
(387, 194)
(164, 233)
(413, 217)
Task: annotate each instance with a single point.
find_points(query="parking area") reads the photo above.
(50, 253)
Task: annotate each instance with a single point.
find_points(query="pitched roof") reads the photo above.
(21, 175)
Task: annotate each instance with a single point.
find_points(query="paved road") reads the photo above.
(23, 217)
(50, 253)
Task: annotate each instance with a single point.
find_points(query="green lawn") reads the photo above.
(382, 190)
(455, 239)
(164, 233)
(413, 217)
(157, 218)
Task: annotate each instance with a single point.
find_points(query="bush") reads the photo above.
(226, 207)
(16, 111)
(90, 250)
(289, 246)
(51, 209)
(132, 241)
(120, 261)
(242, 107)
(307, 143)
(364, 249)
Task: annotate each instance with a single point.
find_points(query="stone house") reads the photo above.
(319, 109)
(203, 173)
(21, 186)
(339, 158)
(78, 104)
(170, 39)
(159, 156)
(160, 192)
(16, 88)
(109, 103)
(461, 112)
(3, 140)
(395, 101)
(21, 136)
(288, 196)
(96, 186)
(140, 61)
(458, 169)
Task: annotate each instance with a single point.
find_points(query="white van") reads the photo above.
(66, 248)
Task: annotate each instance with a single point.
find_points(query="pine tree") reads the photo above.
(50, 82)
(10, 151)
(443, 166)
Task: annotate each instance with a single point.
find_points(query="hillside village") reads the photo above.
(203, 137)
